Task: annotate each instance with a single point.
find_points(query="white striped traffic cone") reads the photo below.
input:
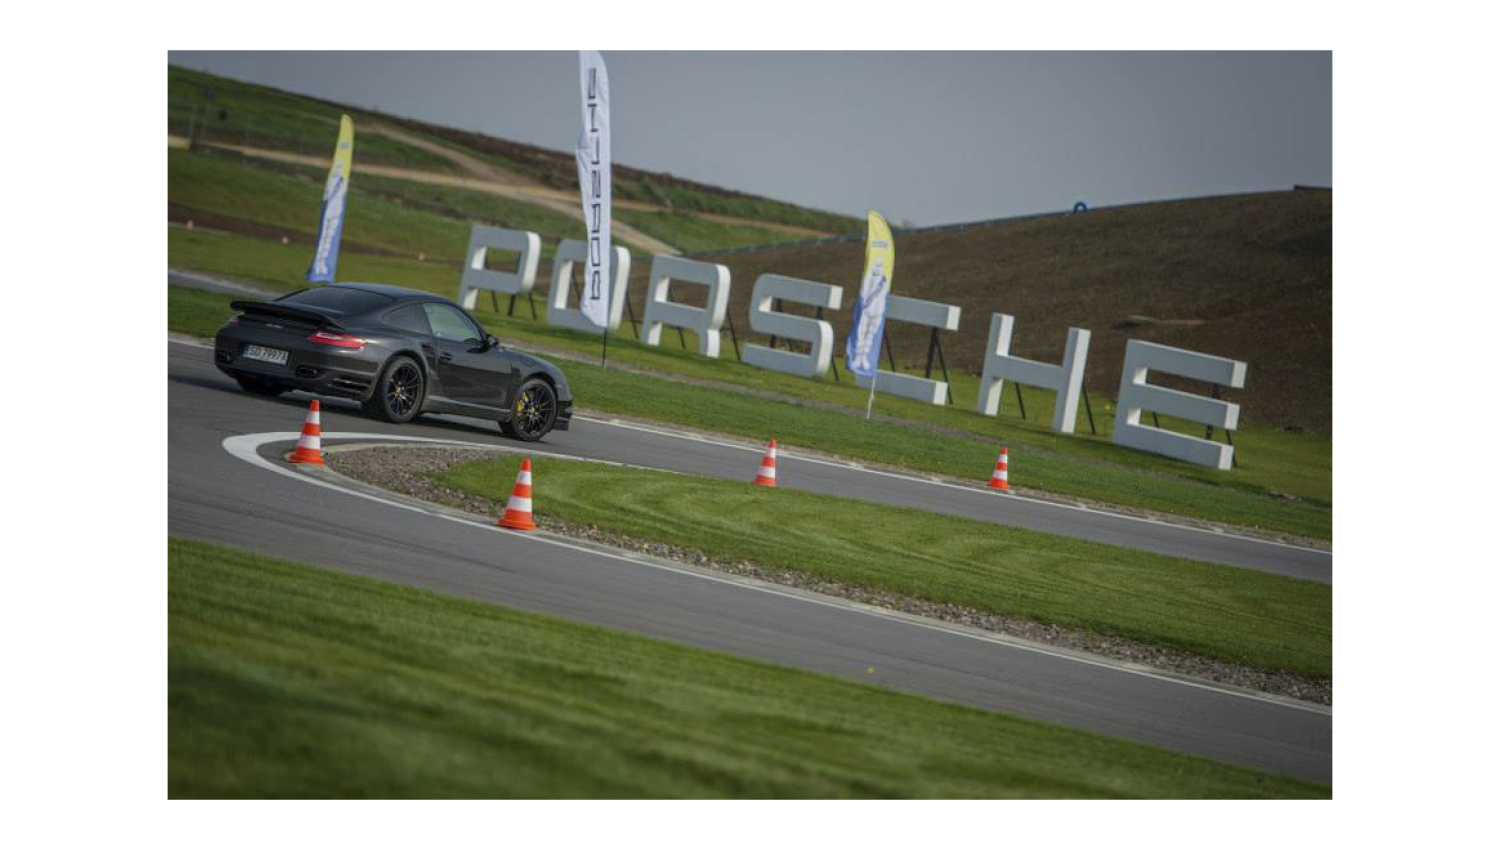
(518, 510)
(767, 476)
(1000, 478)
(310, 444)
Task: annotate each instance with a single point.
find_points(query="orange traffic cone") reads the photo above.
(310, 444)
(1000, 478)
(767, 476)
(518, 510)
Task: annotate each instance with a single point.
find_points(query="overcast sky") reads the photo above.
(929, 138)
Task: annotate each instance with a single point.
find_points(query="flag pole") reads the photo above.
(870, 404)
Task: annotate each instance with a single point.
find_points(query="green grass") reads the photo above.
(284, 267)
(405, 216)
(290, 681)
(468, 205)
(262, 117)
(196, 312)
(1243, 616)
(1039, 458)
(229, 187)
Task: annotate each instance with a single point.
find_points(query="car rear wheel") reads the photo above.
(534, 412)
(260, 386)
(398, 393)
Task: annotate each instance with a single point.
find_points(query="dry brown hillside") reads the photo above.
(1246, 276)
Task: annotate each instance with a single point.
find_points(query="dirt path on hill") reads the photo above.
(552, 199)
(471, 165)
(487, 171)
(482, 176)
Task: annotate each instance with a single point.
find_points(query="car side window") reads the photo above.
(412, 318)
(449, 323)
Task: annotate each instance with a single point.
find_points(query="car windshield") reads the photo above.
(337, 299)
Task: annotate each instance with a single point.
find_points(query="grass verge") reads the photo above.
(227, 186)
(1242, 616)
(284, 267)
(1044, 461)
(196, 312)
(289, 681)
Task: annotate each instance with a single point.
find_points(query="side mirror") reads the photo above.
(490, 342)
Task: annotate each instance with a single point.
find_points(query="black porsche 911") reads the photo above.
(399, 352)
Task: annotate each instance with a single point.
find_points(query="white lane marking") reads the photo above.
(940, 483)
(682, 435)
(246, 447)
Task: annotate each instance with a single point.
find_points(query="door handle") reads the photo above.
(445, 357)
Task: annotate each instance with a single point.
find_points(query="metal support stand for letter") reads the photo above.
(1208, 432)
(734, 337)
(934, 345)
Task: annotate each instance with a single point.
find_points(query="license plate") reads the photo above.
(269, 355)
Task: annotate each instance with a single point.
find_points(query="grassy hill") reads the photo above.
(557, 169)
(1246, 276)
(222, 114)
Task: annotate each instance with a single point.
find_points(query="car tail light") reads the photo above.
(233, 323)
(339, 340)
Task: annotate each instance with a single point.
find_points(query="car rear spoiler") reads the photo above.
(282, 311)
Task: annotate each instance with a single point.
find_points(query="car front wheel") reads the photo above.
(398, 393)
(534, 412)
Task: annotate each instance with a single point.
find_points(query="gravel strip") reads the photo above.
(409, 470)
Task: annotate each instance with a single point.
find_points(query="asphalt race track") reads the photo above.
(606, 439)
(660, 448)
(214, 495)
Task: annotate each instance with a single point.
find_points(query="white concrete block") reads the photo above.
(818, 333)
(569, 253)
(1065, 380)
(662, 311)
(476, 277)
(918, 312)
(1136, 395)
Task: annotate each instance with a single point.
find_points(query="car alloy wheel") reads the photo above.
(535, 410)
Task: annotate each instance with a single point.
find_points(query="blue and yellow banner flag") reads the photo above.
(862, 350)
(335, 191)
